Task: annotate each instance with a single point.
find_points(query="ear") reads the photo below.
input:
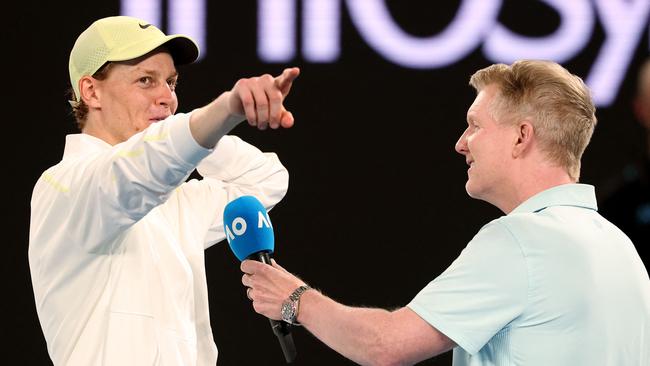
(525, 136)
(89, 92)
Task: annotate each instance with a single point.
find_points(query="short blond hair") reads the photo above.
(556, 102)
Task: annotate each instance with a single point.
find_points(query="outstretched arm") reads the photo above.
(365, 335)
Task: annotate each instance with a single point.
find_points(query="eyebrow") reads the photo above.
(154, 72)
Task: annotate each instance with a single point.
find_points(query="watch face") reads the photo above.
(288, 312)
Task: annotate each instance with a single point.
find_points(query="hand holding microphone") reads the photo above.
(274, 291)
(250, 235)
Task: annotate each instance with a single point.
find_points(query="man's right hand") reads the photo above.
(260, 100)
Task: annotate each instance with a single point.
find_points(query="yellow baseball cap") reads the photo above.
(122, 38)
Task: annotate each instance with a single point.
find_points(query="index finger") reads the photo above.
(285, 80)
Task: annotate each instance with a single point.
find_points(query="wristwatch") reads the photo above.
(289, 308)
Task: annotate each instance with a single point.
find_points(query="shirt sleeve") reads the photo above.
(233, 169)
(482, 291)
(91, 199)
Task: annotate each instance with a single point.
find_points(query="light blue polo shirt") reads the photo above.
(551, 283)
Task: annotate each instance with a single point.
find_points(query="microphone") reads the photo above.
(250, 235)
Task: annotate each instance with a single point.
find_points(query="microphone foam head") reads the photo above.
(248, 227)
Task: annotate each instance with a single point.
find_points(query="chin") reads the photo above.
(472, 191)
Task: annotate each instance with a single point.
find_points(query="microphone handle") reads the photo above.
(263, 257)
(281, 329)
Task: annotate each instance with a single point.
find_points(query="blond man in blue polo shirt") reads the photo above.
(550, 283)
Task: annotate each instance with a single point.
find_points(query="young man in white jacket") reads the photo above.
(117, 234)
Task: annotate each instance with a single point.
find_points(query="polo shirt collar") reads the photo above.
(575, 194)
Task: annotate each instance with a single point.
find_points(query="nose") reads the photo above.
(461, 144)
(165, 95)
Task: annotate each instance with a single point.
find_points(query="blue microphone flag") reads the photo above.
(248, 227)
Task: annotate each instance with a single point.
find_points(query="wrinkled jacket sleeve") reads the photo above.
(91, 199)
(233, 169)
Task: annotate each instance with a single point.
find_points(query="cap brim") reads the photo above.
(182, 49)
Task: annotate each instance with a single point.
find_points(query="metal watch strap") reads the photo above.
(295, 295)
(292, 304)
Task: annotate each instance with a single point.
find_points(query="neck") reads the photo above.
(97, 129)
(532, 182)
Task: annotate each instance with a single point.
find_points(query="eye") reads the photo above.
(145, 80)
(173, 83)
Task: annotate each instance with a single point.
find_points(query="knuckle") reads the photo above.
(257, 307)
(243, 82)
(262, 104)
(275, 96)
(247, 100)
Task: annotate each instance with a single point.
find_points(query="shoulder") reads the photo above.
(497, 230)
(494, 243)
(514, 234)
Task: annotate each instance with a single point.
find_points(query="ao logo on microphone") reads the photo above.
(239, 226)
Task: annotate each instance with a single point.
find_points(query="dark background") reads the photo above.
(376, 206)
